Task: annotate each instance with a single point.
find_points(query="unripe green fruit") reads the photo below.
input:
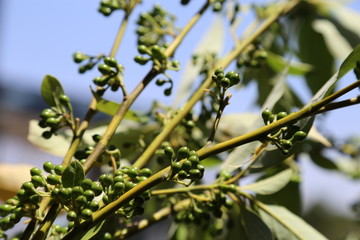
(86, 213)
(281, 115)
(5, 209)
(225, 174)
(175, 63)
(266, 115)
(234, 79)
(77, 191)
(89, 194)
(272, 118)
(48, 166)
(141, 60)
(142, 49)
(286, 144)
(64, 99)
(158, 52)
(133, 172)
(129, 185)
(182, 174)
(53, 179)
(119, 187)
(94, 205)
(59, 169)
(194, 160)
(96, 188)
(169, 152)
(217, 6)
(15, 218)
(176, 166)
(141, 178)
(201, 168)
(183, 152)
(35, 171)
(47, 113)
(299, 136)
(195, 174)
(186, 165)
(225, 82)
(71, 216)
(38, 181)
(111, 62)
(107, 236)
(101, 81)
(52, 122)
(81, 201)
(146, 172)
(86, 184)
(65, 193)
(219, 71)
(79, 57)
(159, 82)
(28, 187)
(104, 69)
(167, 92)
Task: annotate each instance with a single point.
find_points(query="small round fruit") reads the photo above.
(146, 172)
(169, 152)
(299, 136)
(35, 171)
(281, 115)
(96, 188)
(71, 216)
(195, 174)
(89, 194)
(183, 152)
(104, 69)
(266, 114)
(38, 181)
(52, 122)
(53, 179)
(194, 159)
(86, 213)
(110, 62)
(59, 169)
(47, 113)
(48, 166)
(176, 166)
(86, 184)
(94, 205)
(286, 144)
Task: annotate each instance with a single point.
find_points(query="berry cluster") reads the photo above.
(153, 26)
(287, 136)
(157, 55)
(111, 74)
(253, 58)
(91, 61)
(227, 80)
(56, 118)
(109, 6)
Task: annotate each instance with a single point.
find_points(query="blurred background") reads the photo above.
(38, 37)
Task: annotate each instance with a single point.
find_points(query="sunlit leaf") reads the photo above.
(287, 226)
(271, 184)
(110, 108)
(51, 89)
(211, 42)
(278, 63)
(350, 62)
(57, 145)
(73, 174)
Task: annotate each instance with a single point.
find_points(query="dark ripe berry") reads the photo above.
(79, 57)
(176, 166)
(194, 159)
(35, 171)
(299, 136)
(64, 99)
(266, 115)
(71, 216)
(286, 144)
(133, 172)
(89, 194)
(160, 82)
(225, 82)
(146, 172)
(94, 205)
(59, 169)
(182, 174)
(111, 62)
(53, 179)
(48, 166)
(42, 124)
(183, 152)
(138, 211)
(52, 122)
(186, 165)
(96, 188)
(77, 191)
(86, 213)
(119, 187)
(47, 113)
(141, 60)
(96, 137)
(104, 69)
(195, 174)
(169, 152)
(47, 134)
(281, 115)
(86, 184)
(38, 181)
(167, 91)
(158, 52)
(142, 49)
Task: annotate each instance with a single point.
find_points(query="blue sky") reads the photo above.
(38, 37)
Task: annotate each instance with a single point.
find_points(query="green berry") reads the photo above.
(167, 91)
(175, 63)
(89, 194)
(281, 115)
(133, 172)
(234, 79)
(186, 165)
(225, 174)
(35, 171)
(47, 113)
(64, 99)
(195, 174)
(53, 179)
(219, 71)
(52, 122)
(182, 174)
(101, 81)
(71, 216)
(38, 181)
(169, 152)
(158, 52)
(81, 201)
(266, 115)
(28, 187)
(129, 185)
(96, 188)
(183, 152)
(48, 166)
(225, 82)
(141, 60)
(94, 205)
(146, 172)
(86, 184)
(65, 193)
(176, 166)
(5, 209)
(299, 136)
(86, 213)
(217, 6)
(119, 187)
(194, 159)
(107, 236)
(111, 62)
(286, 144)
(59, 169)
(79, 57)
(142, 49)
(77, 191)
(141, 178)
(104, 69)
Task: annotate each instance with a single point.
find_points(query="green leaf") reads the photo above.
(110, 108)
(57, 145)
(93, 231)
(278, 63)
(51, 89)
(287, 226)
(271, 184)
(256, 228)
(73, 174)
(211, 161)
(350, 62)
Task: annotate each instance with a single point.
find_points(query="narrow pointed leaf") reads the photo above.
(270, 185)
(256, 228)
(93, 231)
